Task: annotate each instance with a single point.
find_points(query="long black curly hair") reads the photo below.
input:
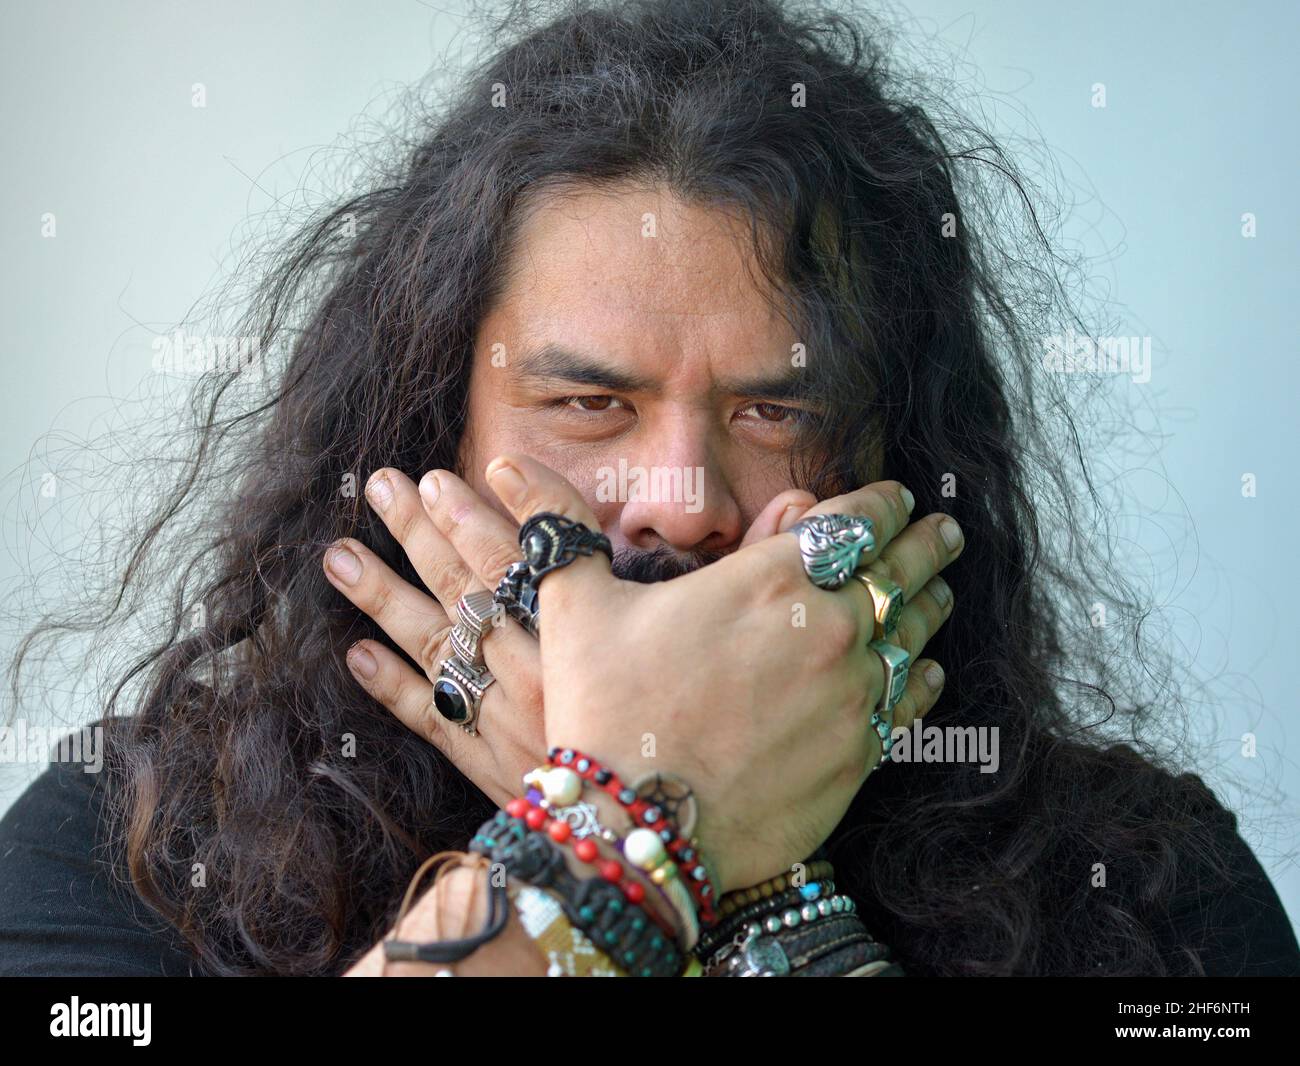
(913, 261)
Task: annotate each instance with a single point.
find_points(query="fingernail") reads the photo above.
(362, 663)
(379, 492)
(934, 677)
(344, 565)
(908, 499)
(430, 489)
(507, 482)
(951, 533)
(790, 516)
(940, 591)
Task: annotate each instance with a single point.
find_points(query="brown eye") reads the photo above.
(591, 403)
(773, 412)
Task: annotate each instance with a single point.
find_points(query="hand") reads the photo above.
(743, 678)
(456, 543)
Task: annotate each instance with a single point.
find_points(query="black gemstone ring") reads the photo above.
(458, 693)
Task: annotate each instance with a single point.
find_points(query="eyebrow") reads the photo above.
(557, 363)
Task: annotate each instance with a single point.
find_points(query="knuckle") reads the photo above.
(890, 568)
(839, 632)
(497, 559)
(434, 648)
(448, 578)
(402, 518)
(377, 600)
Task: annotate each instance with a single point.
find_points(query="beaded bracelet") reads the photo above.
(619, 928)
(557, 791)
(652, 817)
(727, 928)
(772, 924)
(567, 950)
(741, 897)
(613, 871)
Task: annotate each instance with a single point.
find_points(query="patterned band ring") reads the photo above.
(516, 593)
(895, 661)
(550, 541)
(477, 612)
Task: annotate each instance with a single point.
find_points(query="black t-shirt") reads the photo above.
(62, 912)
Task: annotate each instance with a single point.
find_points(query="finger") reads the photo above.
(919, 552)
(416, 623)
(920, 620)
(444, 573)
(478, 535)
(782, 511)
(409, 696)
(527, 487)
(925, 682)
(887, 503)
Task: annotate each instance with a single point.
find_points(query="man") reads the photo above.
(700, 238)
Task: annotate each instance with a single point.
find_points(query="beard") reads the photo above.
(661, 564)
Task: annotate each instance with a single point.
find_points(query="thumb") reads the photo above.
(529, 488)
(782, 511)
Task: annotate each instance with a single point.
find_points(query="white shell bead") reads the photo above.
(562, 787)
(644, 849)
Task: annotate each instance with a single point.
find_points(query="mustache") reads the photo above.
(660, 564)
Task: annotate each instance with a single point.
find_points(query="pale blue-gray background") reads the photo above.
(151, 195)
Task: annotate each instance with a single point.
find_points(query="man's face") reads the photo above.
(633, 353)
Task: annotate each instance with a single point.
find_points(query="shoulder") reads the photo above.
(63, 911)
(1190, 874)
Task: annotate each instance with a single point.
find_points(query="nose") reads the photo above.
(677, 496)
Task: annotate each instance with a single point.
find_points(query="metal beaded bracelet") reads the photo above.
(763, 948)
(599, 909)
(813, 941)
(727, 929)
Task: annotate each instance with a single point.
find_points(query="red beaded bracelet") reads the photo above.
(647, 814)
(587, 851)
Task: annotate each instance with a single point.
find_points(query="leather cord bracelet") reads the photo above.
(498, 917)
(843, 960)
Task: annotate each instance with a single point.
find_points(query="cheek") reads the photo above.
(495, 435)
(754, 484)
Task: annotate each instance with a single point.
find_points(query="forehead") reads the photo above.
(640, 276)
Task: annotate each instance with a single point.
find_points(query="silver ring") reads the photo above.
(458, 693)
(477, 612)
(831, 546)
(896, 662)
(516, 593)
